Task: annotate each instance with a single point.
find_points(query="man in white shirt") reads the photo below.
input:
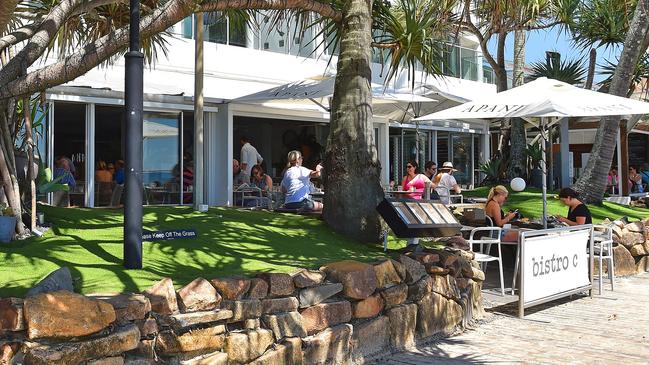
(448, 181)
(249, 155)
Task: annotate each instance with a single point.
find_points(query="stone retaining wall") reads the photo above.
(346, 312)
(631, 247)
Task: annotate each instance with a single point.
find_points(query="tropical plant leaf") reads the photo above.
(569, 71)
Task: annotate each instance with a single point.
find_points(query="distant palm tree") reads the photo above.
(571, 72)
(640, 74)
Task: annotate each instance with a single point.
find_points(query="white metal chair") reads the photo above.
(509, 243)
(446, 196)
(484, 258)
(603, 250)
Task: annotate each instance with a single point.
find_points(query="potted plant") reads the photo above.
(534, 155)
(7, 223)
(491, 170)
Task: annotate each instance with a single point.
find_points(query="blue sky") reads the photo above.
(552, 40)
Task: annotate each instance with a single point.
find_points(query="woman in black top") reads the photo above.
(578, 212)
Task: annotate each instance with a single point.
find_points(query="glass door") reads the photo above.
(462, 156)
(162, 173)
(416, 146)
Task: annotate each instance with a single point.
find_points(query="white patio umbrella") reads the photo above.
(319, 90)
(544, 99)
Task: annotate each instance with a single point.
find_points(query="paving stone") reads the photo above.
(331, 346)
(182, 321)
(128, 306)
(358, 279)
(369, 307)
(403, 323)
(242, 309)
(288, 352)
(318, 294)
(279, 284)
(307, 278)
(395, 295)
(199, 295)
(243, 347)
(279, 305)
(419, 289)
(59, 279)
(11, 315)
(64, 314)
(122, 340)
(386, 275)
(285, 324)
(323, 315)
(162, 296)
(258, 289)
(414, 270)
(204, 340)
(370, 337)
(231, 288)
(437, 314)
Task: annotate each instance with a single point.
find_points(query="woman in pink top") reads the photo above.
(414, 181)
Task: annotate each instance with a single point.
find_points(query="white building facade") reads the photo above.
(85, 121)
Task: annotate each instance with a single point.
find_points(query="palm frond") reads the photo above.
(569, 71)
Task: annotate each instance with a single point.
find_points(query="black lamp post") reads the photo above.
(133, 169)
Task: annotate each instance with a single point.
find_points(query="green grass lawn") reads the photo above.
(530, 204)
(230, 242)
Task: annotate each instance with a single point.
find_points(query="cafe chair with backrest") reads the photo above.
(603, 250)
(483, 258)
(490, 222)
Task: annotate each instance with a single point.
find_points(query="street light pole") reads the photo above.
(133, 169)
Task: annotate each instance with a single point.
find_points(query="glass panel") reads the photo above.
(215, 27)
(187, 27)
(469, 64)
(413, 151)
(461, 143)
(395, 157)
(419, 213)
(69, 152)
(161, 173)
(272, 39)
(109, 164)
(237, 35)
(442, 147)
(188, 159)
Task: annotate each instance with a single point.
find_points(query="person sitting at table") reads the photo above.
(295, 184)
(612, 181)
(239, 175)
(578, 212)
(102, 174)
(414, 181)
(260, 180)
(493, 209)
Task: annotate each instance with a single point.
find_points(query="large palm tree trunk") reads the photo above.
(517, 160)
(592, 182)
(9, 182)
(352, 169)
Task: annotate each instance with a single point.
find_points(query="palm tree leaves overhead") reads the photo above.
(87, 26)
(640, 74)
(412, 32)
(603, 23)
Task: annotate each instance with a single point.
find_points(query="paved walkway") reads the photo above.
(609, 329)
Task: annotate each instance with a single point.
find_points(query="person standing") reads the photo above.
(445, 179)
(249, 155)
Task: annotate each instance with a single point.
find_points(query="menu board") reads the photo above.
(418, 212)
(438, 213)
(405, 213)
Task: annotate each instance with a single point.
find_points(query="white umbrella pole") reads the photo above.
(545, 175)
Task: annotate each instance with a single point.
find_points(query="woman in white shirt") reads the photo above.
(296, 184)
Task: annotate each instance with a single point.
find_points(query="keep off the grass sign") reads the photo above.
(169, 235)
